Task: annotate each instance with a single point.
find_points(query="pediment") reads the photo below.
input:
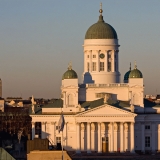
(106, 110)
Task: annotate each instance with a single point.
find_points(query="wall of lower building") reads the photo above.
(116, 92)
(147, 125)
(38, 155)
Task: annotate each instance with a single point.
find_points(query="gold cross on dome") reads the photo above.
(70, 66)
(101, 5)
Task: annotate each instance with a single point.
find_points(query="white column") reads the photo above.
(64, 98)
(132, 137)
(153, 138)
(121, 137)
(99, 138)
(126, 136)
(48, 135)
(115, 136)
(97, 57)
(93, 139)
(90, 57)
(85, 61)
(88, 137)
(117, 61)
(78, 135)
(106, 62)
(33, 130)
(142, 137)
(112, 137)
(43, 130)
(112, 62)
(158, 137)
(53, 133)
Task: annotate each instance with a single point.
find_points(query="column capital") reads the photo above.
(126, 126)
(43, 123)
(115, 126)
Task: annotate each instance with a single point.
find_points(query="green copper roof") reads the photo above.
(101, 30)
(70, 74)
(126, 76)
(135, 73)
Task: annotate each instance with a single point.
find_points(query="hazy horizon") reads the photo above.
(39, 38)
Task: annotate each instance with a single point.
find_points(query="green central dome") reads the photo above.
(70, 74)
(101, 30)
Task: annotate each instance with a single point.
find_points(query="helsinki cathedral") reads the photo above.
(101, 114)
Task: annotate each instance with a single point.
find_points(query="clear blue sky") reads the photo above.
(38, 38)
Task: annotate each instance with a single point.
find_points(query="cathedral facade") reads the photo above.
(101, 114)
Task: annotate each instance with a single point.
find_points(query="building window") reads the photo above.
(88, 66)
(147, 141)
(109, 66)
(87, 56)
(147, 127)
(58, 139)
(94, 66)
(94, 56)
(101, 66)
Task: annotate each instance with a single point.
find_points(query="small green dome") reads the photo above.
(135, 73)
(126, 76)
(101, 30)
(70, 74)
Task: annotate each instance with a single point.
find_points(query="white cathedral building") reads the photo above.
(101, 114)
